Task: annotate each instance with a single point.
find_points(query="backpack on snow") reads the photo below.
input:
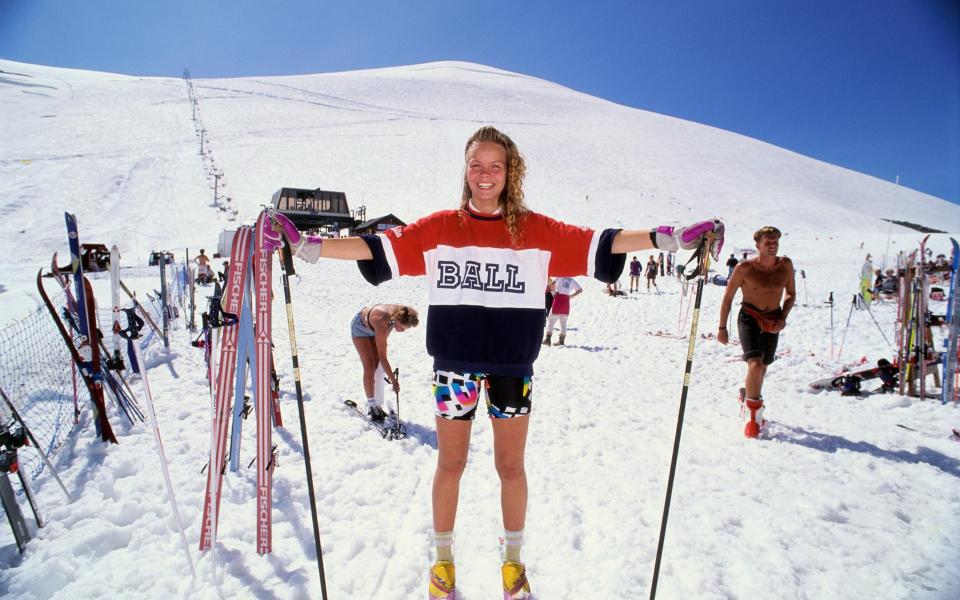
(850, 386)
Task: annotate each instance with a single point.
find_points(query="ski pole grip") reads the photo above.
(286, 255)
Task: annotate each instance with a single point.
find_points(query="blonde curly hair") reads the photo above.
(511, 199)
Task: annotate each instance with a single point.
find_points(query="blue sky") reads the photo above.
(872, 85)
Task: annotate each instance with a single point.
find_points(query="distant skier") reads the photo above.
(204, 272)
(866, 281)
(890, 285)
(635, 267)
(652, 274)
(731, 263)
(763, 282)
(565, 289)
(487, 261)
(369, 330)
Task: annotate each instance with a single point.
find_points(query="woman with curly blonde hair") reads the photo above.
(510, 202)
(487, 265)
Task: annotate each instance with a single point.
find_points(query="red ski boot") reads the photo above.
(755, 422)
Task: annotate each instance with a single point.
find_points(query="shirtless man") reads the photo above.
(763, 281)
(204, 273)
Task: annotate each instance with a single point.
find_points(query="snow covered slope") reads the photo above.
(845, 498)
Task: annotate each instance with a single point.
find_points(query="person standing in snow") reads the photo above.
(487, 263)
(866, 279)
(204, 273)
(635, 268)
(565, 288)
(652, 273)
(369, 330)
(764, 281)
(731, 263)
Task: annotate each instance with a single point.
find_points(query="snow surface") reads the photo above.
(844, 498)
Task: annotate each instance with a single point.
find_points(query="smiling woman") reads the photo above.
(487, 265)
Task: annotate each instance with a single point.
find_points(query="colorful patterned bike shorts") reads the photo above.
(457, 395)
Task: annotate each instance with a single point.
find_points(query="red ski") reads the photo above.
(263, 296)
(88, 370)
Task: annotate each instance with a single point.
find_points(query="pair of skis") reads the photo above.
(222, 371)
(257, 262)
(86, 351)
(390, 428)
(110, 367)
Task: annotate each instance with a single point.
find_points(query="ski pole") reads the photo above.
(843, 338)
(134, 325)
(399, 430)
(702, 267)
(36, 444)
(880, 329)
(396, 376)
(287, 270)
(830, 302)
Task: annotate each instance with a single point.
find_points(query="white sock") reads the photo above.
(512, 541)
(443, 542)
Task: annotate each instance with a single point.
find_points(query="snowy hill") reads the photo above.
(839, 502)
(109, 145)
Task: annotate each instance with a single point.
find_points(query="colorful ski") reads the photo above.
(246, 361)
(115, 382)
(922, 325)
(949, 393)
(94, 384)
(115, 362)
(164, 308)
(263, 296)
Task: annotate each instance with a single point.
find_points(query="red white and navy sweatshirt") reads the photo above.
(486, 311)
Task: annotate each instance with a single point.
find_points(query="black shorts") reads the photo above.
(457, 395)
(755, 342)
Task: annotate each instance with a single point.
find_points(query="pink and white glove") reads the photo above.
(306, 247)
(671, 239)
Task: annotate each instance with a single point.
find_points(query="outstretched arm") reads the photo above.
(312, 248)
(669, 238)
(632, 241)
(350, 248)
